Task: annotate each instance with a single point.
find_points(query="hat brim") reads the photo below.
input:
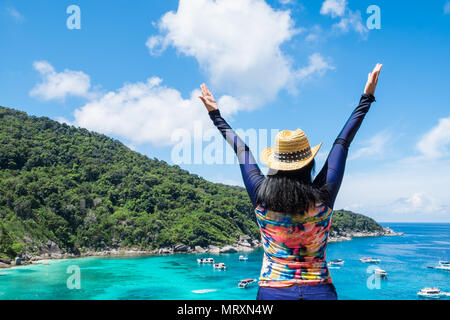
(267, 156)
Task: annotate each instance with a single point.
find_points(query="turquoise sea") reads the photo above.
(405, 258)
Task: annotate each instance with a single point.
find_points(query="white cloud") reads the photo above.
(374, 147)
(447, 8)
(352, 21)
(335, 8)
(417, 203)
(317, 66)
(16, 15)
(349, 20)
(147, 112)
(56, 85)
(315, 34)
(435, 143)
(236, 42)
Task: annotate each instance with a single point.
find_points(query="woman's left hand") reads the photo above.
(372, 80)
(208, 99)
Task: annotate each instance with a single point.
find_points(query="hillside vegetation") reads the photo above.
(348, 222)
(84, 191)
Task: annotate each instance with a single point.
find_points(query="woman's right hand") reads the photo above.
(372, 80)
(208, 99)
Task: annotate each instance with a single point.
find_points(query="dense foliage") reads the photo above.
(83, 190)
(347, 221)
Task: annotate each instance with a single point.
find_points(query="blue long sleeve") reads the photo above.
(332, 173)
(251, 173)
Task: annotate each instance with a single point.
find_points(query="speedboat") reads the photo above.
(205, 260)
(220, 266)
(243, 258)
(337, 262)
(434, 293)
(369, 260)
(244, 284)
(380, 273)
(443, 265)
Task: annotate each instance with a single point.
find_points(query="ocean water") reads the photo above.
(405, 258)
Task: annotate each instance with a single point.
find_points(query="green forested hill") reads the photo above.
(349, 222)
(83, 190)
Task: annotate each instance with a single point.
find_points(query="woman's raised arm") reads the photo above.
(332, 173)
(251, 173)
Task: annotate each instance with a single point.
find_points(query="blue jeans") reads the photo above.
(296, 292)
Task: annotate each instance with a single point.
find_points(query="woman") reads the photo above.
(294, 211)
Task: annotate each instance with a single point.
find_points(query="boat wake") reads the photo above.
(204, 290)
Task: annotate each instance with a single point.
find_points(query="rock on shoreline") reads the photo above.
(347, 236)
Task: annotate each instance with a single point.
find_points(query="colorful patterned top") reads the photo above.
(294, 246)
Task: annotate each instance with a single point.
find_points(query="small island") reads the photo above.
(347, 225)
(66, 192)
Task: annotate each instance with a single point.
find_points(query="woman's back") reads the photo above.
(294, 246)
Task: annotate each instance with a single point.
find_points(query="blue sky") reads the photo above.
(132, 69)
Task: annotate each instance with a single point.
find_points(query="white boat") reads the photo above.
(443, 265)
(380, 273)
(434, 293)
(220, 266)
(337, 262)
(246, 283)
(205, 260)
(243, 258)
(369, 260)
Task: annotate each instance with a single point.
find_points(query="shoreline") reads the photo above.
(348, 236)
(239, 247)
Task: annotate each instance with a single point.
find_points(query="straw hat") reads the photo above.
(291, 151)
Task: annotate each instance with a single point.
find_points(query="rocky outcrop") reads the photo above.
(228, 249)
(165, 251)
(213, 249)
(181, 248)
(52, 248)
(18, 261)
(389, 232)
(198, 249)
(244, 249)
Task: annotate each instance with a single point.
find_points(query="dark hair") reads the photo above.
(289, 192)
